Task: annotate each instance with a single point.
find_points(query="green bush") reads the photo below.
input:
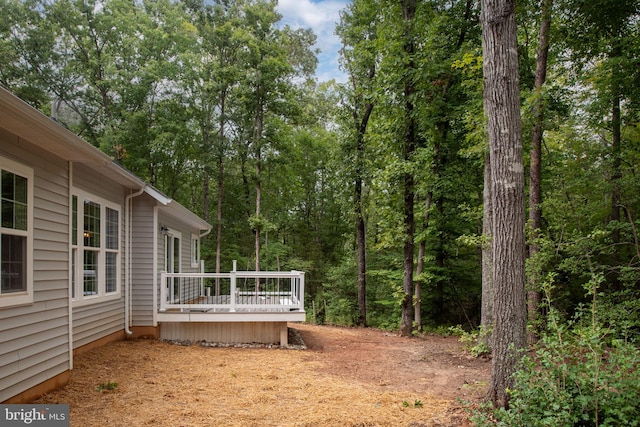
(579, 375)
(475, 341)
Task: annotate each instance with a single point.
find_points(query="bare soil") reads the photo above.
(345, 377)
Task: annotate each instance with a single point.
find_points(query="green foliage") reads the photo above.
(335, 302)
(109, 386)
(475, 341)
(195, 97)
(416, 404)
(581, 373)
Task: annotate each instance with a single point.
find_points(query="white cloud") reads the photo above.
(321, 16)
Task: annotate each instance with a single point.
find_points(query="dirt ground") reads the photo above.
(345, 377)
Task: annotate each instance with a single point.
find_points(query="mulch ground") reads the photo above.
(345, 377)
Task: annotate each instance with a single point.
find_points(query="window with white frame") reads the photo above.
(195, 250)
(95, 248)
(16, 219)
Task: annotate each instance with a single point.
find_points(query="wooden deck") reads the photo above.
(237, 296)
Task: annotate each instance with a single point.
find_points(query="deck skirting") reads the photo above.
(226, 332)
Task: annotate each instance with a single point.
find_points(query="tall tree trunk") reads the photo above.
(361, 240)
(535, 168)
(206, 177)
(257, 140)
(502, 106)
(246, 190)
(616, 154)
(221, 135)
(205, 194)
(406, 326)
(219, 221)
(486, 312)
(258, 207)
(422, 249)
(361, 245)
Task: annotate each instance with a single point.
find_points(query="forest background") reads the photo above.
(216, 105)
(382, 186)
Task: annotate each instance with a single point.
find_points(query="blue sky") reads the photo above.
(321, 16)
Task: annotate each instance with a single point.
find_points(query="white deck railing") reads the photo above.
(236, 291)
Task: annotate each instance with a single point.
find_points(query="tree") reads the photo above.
(502, 107)
(271, 59)
(26, 50)
(602, 46)
(210, 80)
(408, 190)
(535, 165)
(358, 31)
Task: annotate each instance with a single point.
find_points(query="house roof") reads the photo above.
(24, 121)
(176, 210)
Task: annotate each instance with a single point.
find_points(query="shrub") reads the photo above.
(578, 375)
(475, 342)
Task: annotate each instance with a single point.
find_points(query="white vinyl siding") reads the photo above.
(34, 339)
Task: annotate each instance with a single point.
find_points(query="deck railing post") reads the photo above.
(185, 292)
(163, 291)
(232, 276)
(301, 291)
(202, 291)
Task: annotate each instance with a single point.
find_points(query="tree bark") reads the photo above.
(361, 238)
(502, 107)
(257, 140)
(486, 313)
(616, 163)
(417, 315)
(361, 245)
(221, 135)
(406, 325)
(535, 168)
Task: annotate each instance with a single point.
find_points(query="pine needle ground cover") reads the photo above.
(346, 377)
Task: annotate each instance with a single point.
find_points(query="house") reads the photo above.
(90, 253)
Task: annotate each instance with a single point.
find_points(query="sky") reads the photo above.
(321, 16)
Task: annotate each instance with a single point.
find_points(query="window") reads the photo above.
(95, 248)
(195, 250)
(112, 249)
(16, 218)
(172, 260)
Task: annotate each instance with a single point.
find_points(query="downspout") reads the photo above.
(128, 214)
(70, 303)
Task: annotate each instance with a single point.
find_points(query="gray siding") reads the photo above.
(34, 339)
(185, 246)
(97, 320)
(142, 263)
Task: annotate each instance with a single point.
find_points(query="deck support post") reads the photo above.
(284, 334)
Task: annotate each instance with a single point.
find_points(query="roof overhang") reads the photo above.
(175, 210)
(27, 123)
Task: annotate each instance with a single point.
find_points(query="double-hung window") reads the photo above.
(16, 223)
(95, 248)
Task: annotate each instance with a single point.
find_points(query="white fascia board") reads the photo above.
(176, 210)
(157, 195)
